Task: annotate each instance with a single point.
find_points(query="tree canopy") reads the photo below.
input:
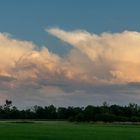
(105, 112)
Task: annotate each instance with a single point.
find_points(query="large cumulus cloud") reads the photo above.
(115, 57)
(91, 69)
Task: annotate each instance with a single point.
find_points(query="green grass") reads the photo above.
(67, 131)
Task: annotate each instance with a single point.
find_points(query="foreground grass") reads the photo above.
(67, 131)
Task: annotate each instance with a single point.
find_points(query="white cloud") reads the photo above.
(115, 56)
(93, 66)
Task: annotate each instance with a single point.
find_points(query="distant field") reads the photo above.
(67, 131)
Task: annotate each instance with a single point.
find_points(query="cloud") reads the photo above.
(104, 67)
(114, 56)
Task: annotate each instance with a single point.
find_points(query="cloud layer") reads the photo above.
(94, 65)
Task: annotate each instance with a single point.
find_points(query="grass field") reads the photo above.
(67, 131)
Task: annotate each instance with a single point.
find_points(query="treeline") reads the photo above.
(106, 113)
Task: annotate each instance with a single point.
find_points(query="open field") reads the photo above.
(67, 131)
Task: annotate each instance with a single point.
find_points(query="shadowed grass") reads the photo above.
(67, 131)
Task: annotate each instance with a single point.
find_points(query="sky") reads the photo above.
(69, 53)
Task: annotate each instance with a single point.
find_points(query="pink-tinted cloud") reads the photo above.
(94, 64)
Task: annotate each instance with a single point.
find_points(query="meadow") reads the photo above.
(54, 130)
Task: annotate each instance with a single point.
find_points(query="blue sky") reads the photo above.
(91, 51)
(28, 19)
